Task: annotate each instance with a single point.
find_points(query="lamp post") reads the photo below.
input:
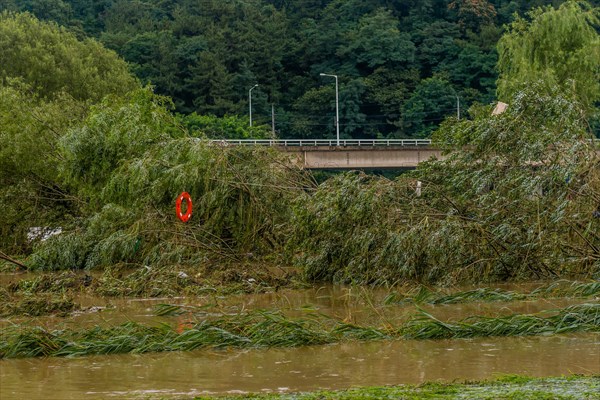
(457, 106)
(250, 101)
(337, 107)
(457, 103)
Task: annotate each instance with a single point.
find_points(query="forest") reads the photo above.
(107, 114)
(403, 65)
(90, 151)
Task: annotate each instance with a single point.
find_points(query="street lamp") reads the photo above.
(250, 101)
(457, 103)
(457, 106)
(337, 107)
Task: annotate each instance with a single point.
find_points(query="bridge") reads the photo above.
(350, 153)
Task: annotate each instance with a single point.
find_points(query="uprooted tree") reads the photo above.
(514, 198)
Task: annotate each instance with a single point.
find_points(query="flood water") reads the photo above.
(356, 305)
(208, 372)
(185, 374)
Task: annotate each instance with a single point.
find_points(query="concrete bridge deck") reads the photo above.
(352, 154)
(362, 157)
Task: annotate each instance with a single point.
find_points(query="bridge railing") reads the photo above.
(327, 142)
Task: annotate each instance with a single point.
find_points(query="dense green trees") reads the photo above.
(516, 200)
(206, 55)
(52, 60)
(84, 147)
(31, 191)
(127, 163)
(48, 80)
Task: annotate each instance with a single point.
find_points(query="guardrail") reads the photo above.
(327, 142)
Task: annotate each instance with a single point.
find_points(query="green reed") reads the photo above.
(271, 329)
(557, 289)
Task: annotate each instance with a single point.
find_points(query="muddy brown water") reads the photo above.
(356, 305)
(185, 374)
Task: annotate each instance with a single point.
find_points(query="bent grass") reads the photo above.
(555, 290)
(270, 329)
(35, 305)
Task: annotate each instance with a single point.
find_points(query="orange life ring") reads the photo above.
(188, 201)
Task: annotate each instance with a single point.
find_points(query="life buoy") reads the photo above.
(188, 201)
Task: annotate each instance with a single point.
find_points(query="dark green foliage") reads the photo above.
(227, 127)
(515, 200)
(206, 56)
(48, 79)
(131, 159)
(430, 103)
(45, 89)
(32, 193)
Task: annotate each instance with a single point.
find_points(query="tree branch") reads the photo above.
(3, 256)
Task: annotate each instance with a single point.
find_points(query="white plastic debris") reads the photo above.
(42, 233)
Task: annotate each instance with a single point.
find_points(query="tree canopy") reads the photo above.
(555, 46)
(52, 60)
(48, 80)
(103, 158)
(205, 56)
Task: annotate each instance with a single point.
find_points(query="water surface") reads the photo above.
(185, 374)
(357, 305)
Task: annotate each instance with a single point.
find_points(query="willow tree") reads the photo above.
(30, 190)
(53, 60)
(128, 162)
(516, 201)
(560, 47)
(48, 80)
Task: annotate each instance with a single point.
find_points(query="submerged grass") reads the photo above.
(35, 305)
(578, 318)
(51, 283)
(268, 329)
(159, 281)
(555, 290)
(509, 387)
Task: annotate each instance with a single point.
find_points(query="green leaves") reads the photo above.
(430, 103)
(117, 129)
(554, 46)
(52, 60)
(377, 41)
(131, 158)
(48, 80)
(513, 198)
